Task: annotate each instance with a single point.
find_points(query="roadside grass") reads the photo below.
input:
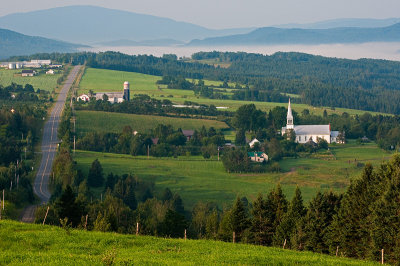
(42, 81)
(32, 244)
(101, 80)
(95, 121)
(196, 179)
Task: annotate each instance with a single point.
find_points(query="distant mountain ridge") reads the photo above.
(13, 43)
(343, 23)
(91, 24)
(271, 35)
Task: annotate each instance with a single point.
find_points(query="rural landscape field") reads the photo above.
(199, 150)
(99, 80)
(42, 81)
(111, 248)
(197, 179)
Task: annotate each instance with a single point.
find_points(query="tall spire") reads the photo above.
(289, 118)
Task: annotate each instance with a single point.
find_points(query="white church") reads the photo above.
(306, 133)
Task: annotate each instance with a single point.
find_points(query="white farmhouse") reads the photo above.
(84, 97)
(306, 133)
(258, 157)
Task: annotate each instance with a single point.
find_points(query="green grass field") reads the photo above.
(42, 81)
(30, 244)
(196, 179)
(110, 80)
(89, 121)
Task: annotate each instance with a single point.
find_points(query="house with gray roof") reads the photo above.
(306, 133)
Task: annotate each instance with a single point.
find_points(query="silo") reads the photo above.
(126, 91)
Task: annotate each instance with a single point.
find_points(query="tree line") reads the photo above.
(20, 125)
(19, 93)
(144, 104)
(161, 141)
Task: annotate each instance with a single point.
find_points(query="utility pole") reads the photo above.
(218, 153)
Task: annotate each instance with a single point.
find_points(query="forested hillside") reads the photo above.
(365, 84)
(13, 43)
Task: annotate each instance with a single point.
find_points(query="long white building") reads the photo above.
(306, 133)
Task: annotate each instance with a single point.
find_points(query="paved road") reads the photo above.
(49, 148)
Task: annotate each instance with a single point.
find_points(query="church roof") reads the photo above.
(312, 130)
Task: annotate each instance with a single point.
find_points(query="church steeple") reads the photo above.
(289, 118)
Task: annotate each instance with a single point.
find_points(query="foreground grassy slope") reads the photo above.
(42, 81)
(27, 244)
(111, 80)
(196, 179)
(90, 121)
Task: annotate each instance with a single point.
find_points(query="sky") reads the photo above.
(218, 14)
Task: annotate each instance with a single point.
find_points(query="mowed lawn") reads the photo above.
(33, 244)
(95, 121)
(101, 80)
(196, 179)
(42, 81)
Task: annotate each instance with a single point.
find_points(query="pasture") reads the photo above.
(32, 244)
(196, 179)
(94, 121)
(41, 81)
(101, 80)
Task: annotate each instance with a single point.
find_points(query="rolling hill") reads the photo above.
(90, 25)
(13, 43)
(271, 35)
(32, 244)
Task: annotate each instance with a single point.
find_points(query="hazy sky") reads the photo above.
(230, 13)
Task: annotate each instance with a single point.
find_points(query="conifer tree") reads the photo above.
(319, 217)
(239, 218)
(385, 219)
(279, 203)
(174, 224)
(296, 212)
(95, 177)
(260, 224)
(67, 207)
(350, 229)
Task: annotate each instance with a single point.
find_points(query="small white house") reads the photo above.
(50, 72)
(253, 142)
(258, 156)
(84, 98)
